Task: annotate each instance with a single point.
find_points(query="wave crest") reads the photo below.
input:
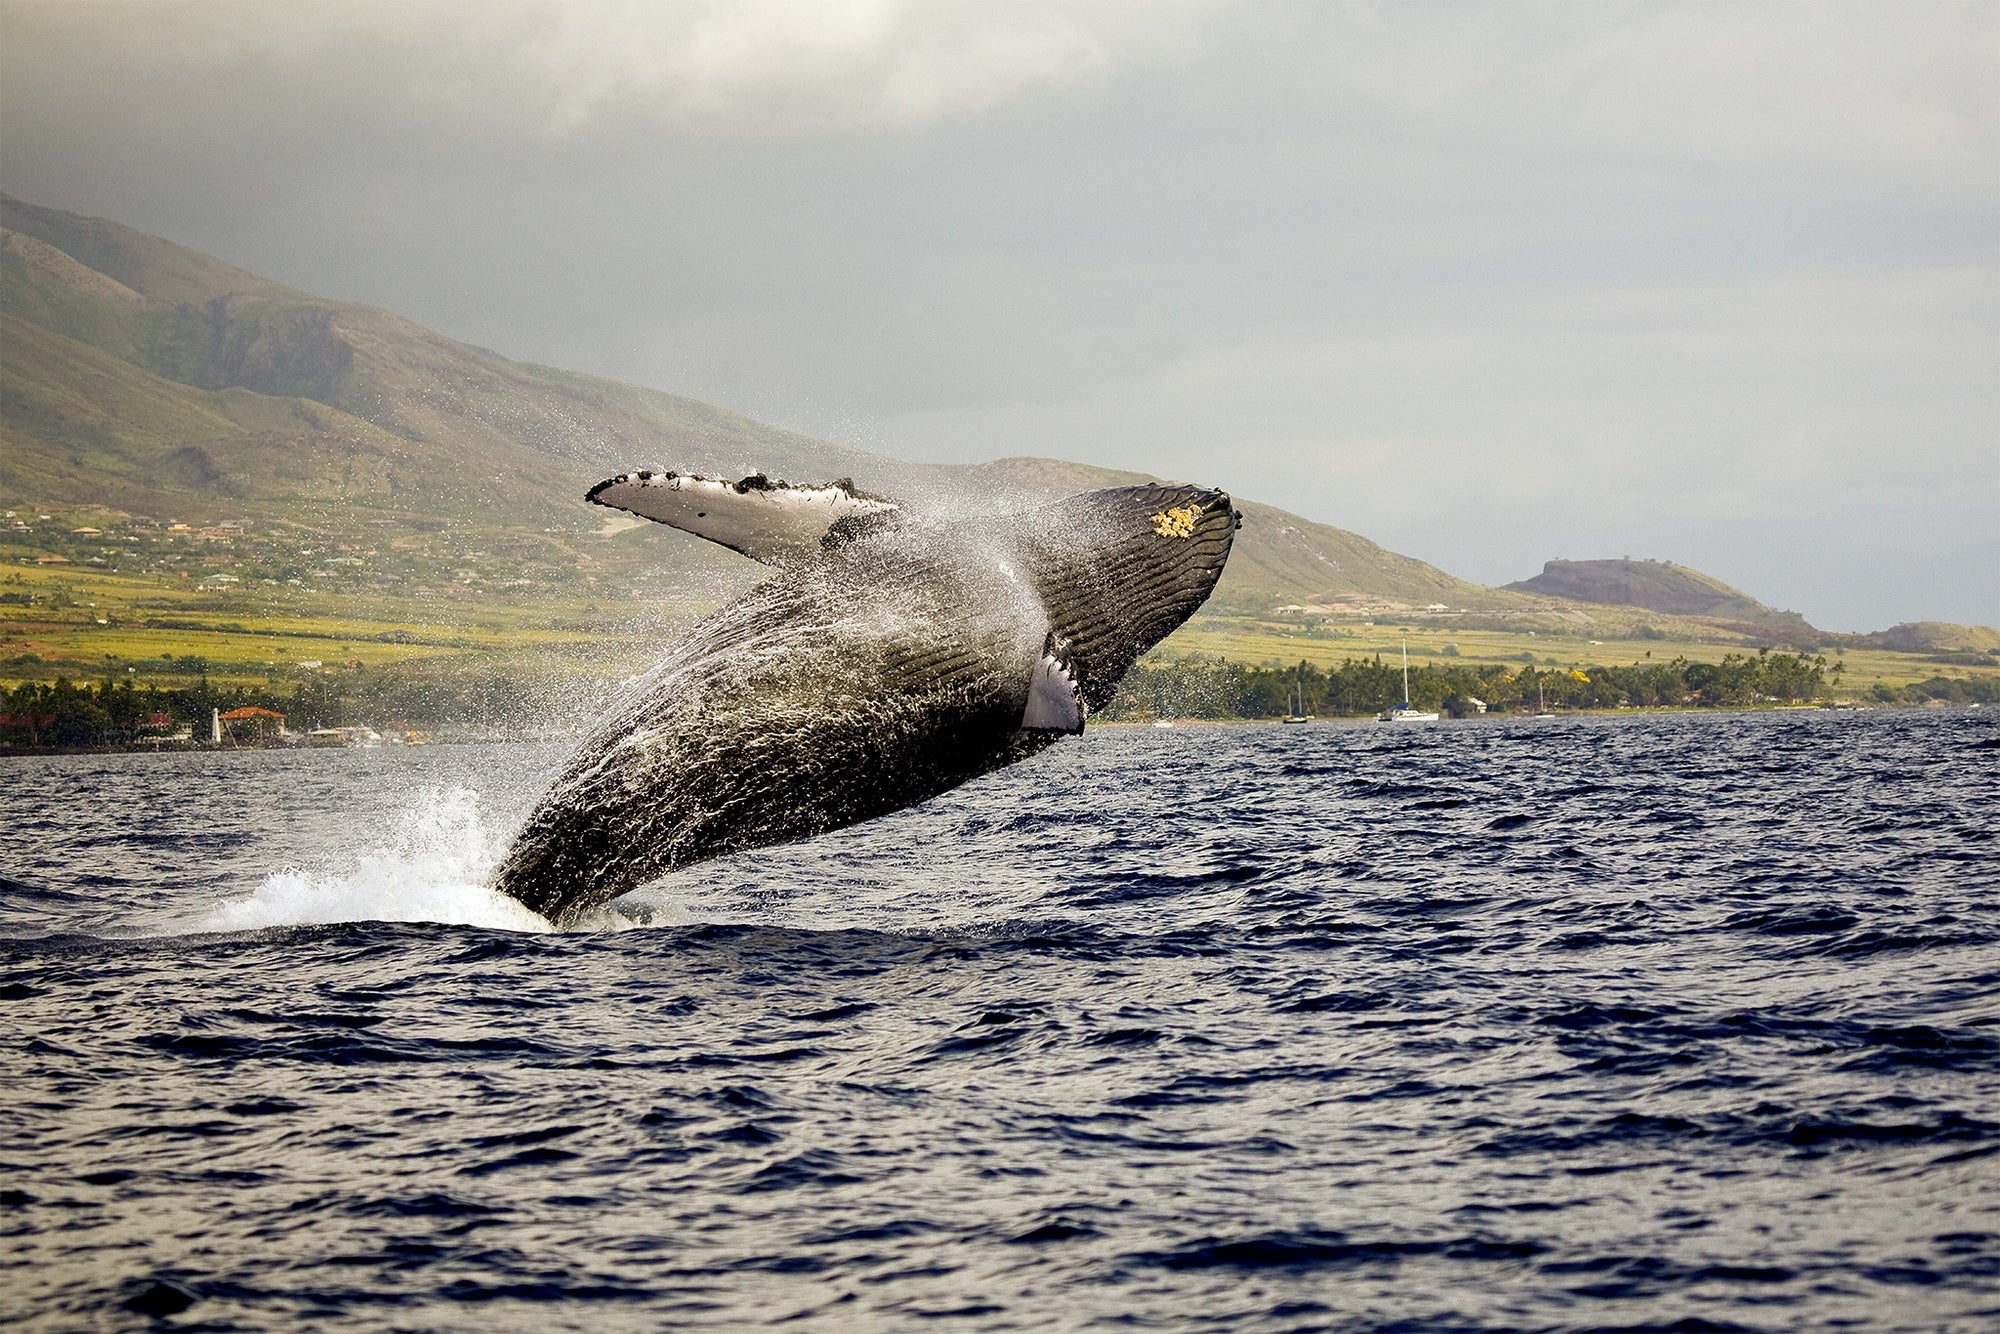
(438, 868)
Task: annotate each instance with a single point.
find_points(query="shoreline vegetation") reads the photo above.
(63, 716)
(1196, 686)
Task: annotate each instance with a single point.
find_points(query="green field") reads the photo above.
(156, 630)
(261, 602)
(159, 628)
(1267, 642)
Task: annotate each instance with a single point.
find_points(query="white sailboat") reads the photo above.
(1404, 712)
(1298, 696)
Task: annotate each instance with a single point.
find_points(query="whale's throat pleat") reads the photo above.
(828, 695)
(769, 521)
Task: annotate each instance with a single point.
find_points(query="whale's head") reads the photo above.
(1119, 570)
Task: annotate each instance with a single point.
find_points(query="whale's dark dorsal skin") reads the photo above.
(891, 659)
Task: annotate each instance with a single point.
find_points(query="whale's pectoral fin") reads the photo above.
(1055, 700)
(773, 522)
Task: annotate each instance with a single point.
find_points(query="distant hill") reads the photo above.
(147, 376)
(1658, 586)
(1935, 637)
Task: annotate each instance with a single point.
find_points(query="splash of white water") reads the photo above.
(436, 870)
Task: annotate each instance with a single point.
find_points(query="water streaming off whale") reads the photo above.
(1596, 1023)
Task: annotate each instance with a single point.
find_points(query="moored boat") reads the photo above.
(1405, 712)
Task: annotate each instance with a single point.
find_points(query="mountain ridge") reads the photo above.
(148, 376)
(367, 408)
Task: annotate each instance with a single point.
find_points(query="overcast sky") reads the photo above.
(1487, 283)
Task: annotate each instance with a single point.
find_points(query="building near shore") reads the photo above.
(251, 721)
(365, 737)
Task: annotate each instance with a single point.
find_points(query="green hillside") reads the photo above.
(78, 422)
(204, 469)
(197, 322)
(203, 383)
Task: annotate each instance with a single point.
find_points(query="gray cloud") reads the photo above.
(1487, 283)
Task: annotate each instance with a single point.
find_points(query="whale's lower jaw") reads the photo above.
(591, 841)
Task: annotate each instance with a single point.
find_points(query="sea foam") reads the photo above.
(437, 868)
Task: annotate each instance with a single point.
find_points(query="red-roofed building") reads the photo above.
(258, 718)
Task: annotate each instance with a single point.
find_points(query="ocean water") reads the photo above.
(1667, 1022)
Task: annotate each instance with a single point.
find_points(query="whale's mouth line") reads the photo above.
(1055, 699)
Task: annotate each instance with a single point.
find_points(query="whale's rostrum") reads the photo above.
(893, 656)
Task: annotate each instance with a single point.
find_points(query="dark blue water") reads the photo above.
(1662, 1023)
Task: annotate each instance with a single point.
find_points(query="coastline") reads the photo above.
(9, 750)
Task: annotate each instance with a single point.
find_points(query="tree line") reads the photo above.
(115, 712)
(1202, 687)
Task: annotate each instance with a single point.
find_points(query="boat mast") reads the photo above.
(1406, 673)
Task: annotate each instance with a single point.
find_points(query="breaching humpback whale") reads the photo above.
(892, 657)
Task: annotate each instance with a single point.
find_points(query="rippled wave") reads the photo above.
(1653, 1023)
